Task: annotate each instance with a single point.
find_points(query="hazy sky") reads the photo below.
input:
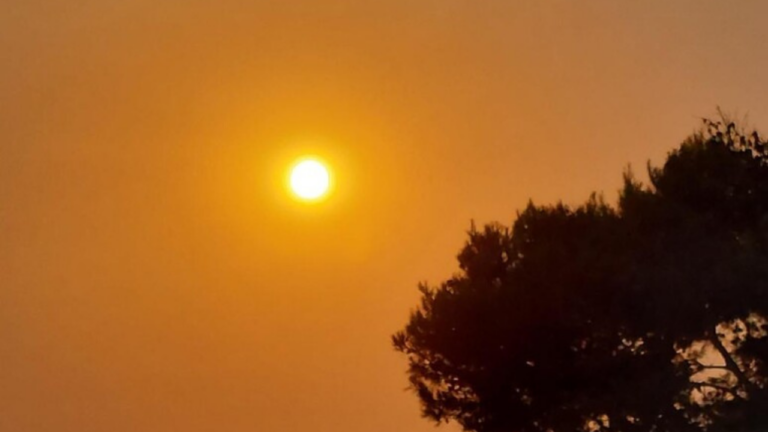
(155, 276)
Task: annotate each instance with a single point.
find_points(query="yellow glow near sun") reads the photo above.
(310, 179)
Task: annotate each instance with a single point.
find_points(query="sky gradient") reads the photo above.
(156, 276)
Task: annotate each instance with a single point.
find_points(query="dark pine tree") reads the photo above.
(651, 316)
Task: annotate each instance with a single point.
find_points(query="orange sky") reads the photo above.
(155, 277)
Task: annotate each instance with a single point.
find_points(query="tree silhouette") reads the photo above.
(650, 316)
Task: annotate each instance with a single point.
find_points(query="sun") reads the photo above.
(310, 179)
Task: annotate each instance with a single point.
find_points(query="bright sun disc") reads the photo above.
(310, 179)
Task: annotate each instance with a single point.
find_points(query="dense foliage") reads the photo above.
(650, 316)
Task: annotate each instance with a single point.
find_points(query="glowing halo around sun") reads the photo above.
(309, 179)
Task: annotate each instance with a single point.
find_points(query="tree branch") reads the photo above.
(704, 366)
(728, 390)
(731, 364)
